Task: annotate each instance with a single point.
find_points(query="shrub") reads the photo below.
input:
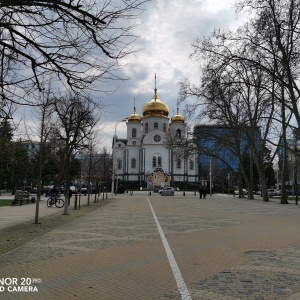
(121, 189)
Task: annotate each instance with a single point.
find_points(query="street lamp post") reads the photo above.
(210, 179)
(295, 175)
(229, 179)
(113, 157)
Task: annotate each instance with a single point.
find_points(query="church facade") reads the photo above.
(146, 158)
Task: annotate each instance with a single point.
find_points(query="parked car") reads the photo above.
(167, 191)
(271, 192)
(83, 191)
(236, 192)
(293, 192)
(277, 193)
(33, 190)
(73, 189)
(46, 190)
(159, 191)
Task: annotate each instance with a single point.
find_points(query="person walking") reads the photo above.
(204, 193)
(200, 192)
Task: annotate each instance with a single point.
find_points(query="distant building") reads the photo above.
(32, 147)
(212, 140)
(143, 159)
(293, 162)
(216, 153)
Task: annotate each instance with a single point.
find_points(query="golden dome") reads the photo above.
(134, 117)
(155, 107)
(178, 118)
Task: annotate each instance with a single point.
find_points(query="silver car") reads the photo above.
(167, 191)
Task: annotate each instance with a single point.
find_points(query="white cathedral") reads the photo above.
(144, 159)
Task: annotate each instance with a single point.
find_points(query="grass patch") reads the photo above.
(7, 202)
(293, 198)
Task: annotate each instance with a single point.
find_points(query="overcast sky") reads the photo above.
(168, 30)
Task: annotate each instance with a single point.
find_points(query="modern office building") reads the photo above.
(292, 152)
(217, 154)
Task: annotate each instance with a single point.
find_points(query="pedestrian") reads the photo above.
(200, 192)
(204, 193)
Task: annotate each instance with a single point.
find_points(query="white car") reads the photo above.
(271, 192)
(236, 192)
(277, 192)
(167, 191)
(73, 189)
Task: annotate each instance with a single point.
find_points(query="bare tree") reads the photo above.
(273, 33)
(75, 122)
(236, 95)
(74, 42)
(181, 146)
(269, 44)
(44, 110)
(104, 169)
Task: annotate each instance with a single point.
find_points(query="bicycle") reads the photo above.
(57, 201)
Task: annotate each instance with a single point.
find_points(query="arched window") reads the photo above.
(133, 163)
(178, 133)
(178, 164)
(159, 161)
(133, 132)
(191, 165)
(146, 128)
(155, 125)
(154, 162)
(165, 127)
(119, 163)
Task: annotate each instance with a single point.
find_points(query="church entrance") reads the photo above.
(158, 179)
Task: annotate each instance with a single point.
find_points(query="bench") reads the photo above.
(21, 196)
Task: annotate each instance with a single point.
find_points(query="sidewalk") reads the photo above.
(11, 215)
(223, 248)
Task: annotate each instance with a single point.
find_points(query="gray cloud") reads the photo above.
(168, 29)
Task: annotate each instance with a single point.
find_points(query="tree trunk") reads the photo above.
(284, 156)
(68, 182)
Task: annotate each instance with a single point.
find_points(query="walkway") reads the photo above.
(17, 214)
(151, 247)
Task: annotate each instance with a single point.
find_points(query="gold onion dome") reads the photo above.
(155, 107)
(178, 118)
(134, 117)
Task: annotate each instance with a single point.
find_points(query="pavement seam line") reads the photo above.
(175, 269)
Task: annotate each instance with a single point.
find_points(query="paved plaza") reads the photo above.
(152, 247)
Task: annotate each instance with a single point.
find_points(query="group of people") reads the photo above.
(202, 192)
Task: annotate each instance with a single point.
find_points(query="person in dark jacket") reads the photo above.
(204, 193)
(53, 194)
(200, 192)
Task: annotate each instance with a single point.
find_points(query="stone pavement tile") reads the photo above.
(97, 230)
(263, 278)
(226, 248)
(295, 296)
(98, 272)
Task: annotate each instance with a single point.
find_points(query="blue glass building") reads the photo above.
(217, 149)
